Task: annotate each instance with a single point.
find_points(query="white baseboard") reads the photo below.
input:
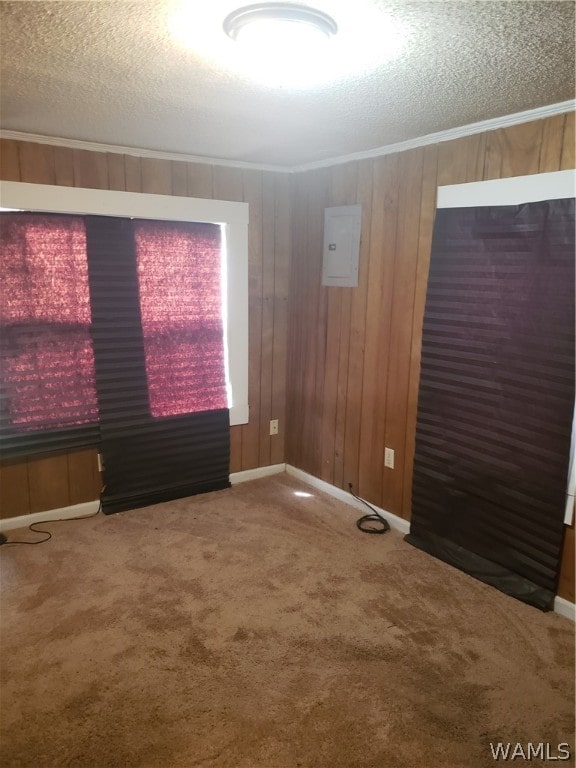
(565, 608)
(398, 523)
(78, 510)
(62, 513)
(561, 606)
(255, 474)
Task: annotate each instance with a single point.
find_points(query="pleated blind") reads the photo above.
(47, 388)
(162, 435)
(496, 395)
(112, 334)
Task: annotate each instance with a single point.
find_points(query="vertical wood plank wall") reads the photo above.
(354, 353)
(61, 480)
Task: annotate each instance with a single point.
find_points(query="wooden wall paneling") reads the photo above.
(301, 330)
(90, 169)
(14, 491)
(228, 185)
(64, 166)
(97, 480)
(200, 180)
(36, 163)
(378, 318)
(267, 332)
(320, 392)
(310, 298)
(461, 161)
(156, 176)
(476, 147)
(9, 160)
(293, 347)
(330, 382)
(551, 145)
(453, 160)
(343, 191)
(116, 171)
(521, 149)
(342, 386)
(568, 143)
(282, 249)
(252, 183)
(411, 164)
(427, 213)
(179, 179)
(133, 173)
(48, 482)
(318, 298)
(83, 482)
(566, 585)
(493, 156)
(513, 151)
(328, 376)
(296, 329)
(311, 301)
(358, 333)
(307, 296)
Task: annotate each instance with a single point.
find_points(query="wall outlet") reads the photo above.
(389, 458)
(273, 426)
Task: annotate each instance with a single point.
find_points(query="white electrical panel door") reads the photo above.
(341, 246)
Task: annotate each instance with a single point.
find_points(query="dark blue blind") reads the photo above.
(497, 395)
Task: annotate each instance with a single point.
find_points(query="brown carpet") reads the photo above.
(253, 627)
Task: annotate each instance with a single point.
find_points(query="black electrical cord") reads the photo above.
(48, 522)
(365, 523)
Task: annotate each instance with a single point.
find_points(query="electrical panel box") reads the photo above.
(341, 245)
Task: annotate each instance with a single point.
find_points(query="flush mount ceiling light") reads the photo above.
(282, 41)
(288, 45)
(283, 19)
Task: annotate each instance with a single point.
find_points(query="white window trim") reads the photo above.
(515, 190)
(232, 215)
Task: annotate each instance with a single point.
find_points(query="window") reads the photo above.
(181, 314)
(232, 222)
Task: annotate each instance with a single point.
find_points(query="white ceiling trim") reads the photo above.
(452, 133)
(116, 149)
(388, 149)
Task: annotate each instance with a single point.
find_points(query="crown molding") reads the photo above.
(117, 149)
(539, 113)
(493, 124)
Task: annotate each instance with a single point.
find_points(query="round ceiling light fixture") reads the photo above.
(279, 23)
(289, 45)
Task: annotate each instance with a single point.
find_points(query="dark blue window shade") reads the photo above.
(497, 395)
(147, 459)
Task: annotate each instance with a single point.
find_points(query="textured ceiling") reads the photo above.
(112, 72)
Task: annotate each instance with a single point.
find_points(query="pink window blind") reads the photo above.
(47, 357)
(180, 285)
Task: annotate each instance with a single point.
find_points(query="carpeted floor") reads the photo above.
(256, 628)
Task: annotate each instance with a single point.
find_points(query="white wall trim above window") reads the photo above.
(515, 190)
(232, 215)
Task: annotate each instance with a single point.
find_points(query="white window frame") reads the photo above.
(232, 216)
